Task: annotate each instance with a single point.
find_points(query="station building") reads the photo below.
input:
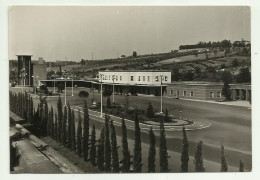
(206, 90)
(135, 81)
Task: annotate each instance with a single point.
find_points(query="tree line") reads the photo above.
(104, 151)
(221, 44)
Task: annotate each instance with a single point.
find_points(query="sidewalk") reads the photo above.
(229, 103)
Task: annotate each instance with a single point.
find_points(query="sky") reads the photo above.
(74, 32)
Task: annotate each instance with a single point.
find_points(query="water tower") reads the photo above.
(25, 70)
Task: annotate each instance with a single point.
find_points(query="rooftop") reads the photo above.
(135, 71)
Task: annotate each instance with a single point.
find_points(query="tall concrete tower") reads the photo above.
(25, 70)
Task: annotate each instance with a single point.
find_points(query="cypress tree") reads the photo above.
(64, 126)
(59, 109)
(150, 111)
(69, 127)
(185, 152)
(224, 167)
(107, 148)
(52, 123)
(198, 159)
(137, 164)
(115, 161)
(93, 147)
(125, 151)
(56, 131)
(241, 166)
(32, 110)
(100, 151)
(163, 149)
(166, 117)
(86, 132)
(79, 137)
(152, 152)
(45, 118)
(73, 138)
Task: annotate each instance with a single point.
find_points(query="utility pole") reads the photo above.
(161, 93)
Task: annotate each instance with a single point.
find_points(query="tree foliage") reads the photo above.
(79, 137)
(198, 161)
(107, 147)
(224, 167)
(115, 159)
(86, 132)
(163, 149)
(150, 110)
(93, 147)
(137, 164)
(152, 152)
(100, 151)
(126, 161)
(185, 152)
(83, 94)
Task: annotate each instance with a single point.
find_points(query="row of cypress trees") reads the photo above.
(104, 151)
(22, 105)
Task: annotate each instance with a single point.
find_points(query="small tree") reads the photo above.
(125, 151)
(59, 109)
(134, 54)
(69, 127)
(152, 152)
(227, 79)
(107, 93)
(86, 132)
(198, 159)
(241, 166)
(100, 151)
(79, 137)
(60, 87)
(185, 152)
(64, 126)
(166, 116)
(137, 164)
(163, 149)
(224, 167)
(83, 94)
(73, 138)
(115, 162)
(107, 148)
(93, 147)
(150, 110)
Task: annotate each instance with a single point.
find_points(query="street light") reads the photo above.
(72, 84)
(34, 77)
(101, 94)
(113, 79)
(161, 93)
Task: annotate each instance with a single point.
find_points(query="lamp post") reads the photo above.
(34, 77)
(180, 114)
(161, 93)
(54, 79)
(101, 95)
(113, 78)
(72, 85)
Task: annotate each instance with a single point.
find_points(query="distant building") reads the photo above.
(25, 70)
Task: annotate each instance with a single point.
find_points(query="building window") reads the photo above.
(120, 78)
(116, 78)
(218, 94)
(139, 78)
(156, 78)
(132, 78)
(171, 92)
(211, 94)
(191, 94)
(148, 78)
(143, 78)
(166, 78)
(184, 93)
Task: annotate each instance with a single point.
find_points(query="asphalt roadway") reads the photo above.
(230, 125)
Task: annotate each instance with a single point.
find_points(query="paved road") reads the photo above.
(230, 124)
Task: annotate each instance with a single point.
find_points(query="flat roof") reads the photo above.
(134, 71)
